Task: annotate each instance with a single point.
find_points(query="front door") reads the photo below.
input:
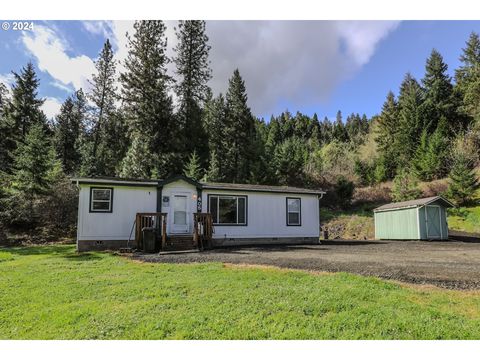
(434, 225)
(180, 216)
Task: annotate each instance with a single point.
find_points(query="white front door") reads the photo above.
(180, 215)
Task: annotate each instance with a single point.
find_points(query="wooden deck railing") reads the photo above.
(203, 230)
(156, 220)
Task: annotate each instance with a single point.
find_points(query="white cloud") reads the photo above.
(362, 37)
(51, 107)
(50, 51)
(295, 62)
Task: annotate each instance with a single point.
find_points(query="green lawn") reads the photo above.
(50, 292)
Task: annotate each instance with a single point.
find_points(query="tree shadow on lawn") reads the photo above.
(66, 252)
(39, 250)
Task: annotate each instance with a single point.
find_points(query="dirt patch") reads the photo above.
(449, 264)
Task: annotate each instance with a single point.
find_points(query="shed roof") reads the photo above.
(414, 203)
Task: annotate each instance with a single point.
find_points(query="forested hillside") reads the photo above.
(128, 124)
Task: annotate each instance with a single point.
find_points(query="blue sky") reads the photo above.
(320, 66)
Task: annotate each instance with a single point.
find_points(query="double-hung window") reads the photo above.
(101, 199)
(228, 209)
(294, 212)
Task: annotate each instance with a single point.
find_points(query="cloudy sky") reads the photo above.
(307, 66)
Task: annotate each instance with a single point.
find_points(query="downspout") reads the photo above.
(319, 223)
(78, 211)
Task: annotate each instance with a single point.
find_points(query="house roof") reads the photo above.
(200, 185)
(260, 188)
(414, 203)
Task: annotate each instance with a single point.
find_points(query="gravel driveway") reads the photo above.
(449, 264)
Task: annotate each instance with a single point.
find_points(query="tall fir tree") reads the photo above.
(101, 140)
(386, 136)
(239, 131)
(193, 71)
(214, 121)
(438, 101)
(467, 78)
(339, 131)
(25, 105)
(410, 118)
(148, 105)
(7, 139)
(69, 128)
(22, 111)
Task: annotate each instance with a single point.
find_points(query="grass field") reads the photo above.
(465, 219)
(50, 292)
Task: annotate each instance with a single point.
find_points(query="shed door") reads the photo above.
(433, 219)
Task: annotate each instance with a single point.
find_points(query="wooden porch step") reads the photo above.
(179, 243)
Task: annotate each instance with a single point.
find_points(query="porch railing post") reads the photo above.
(164, 230)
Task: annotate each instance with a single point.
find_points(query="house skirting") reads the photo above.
(98, 245)
(265, 241)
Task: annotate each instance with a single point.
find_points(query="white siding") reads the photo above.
(266, 213)
(266, 216)
(127, 201)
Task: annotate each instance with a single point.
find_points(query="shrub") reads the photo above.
(344, 191)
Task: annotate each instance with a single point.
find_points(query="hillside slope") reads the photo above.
(357, 223)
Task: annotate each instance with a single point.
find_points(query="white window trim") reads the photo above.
(92, 200)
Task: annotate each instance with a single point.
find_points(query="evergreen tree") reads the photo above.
(25, 105)
(410, 118)
(7, 139)
(388, 126)
(148, 106)
(339, 131)
(463, 182)
(239, 131)
(467, 77)
(213, 172)
(289, 161)
(193, 169)
(20, 113)
(139, 161)
(214, 122)
(100, 141)
(405, 187)
(344, 191)
(439, 101)
(35, 171)
(69, 128)
(429, 162)
(192, 67)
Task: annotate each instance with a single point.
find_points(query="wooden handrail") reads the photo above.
(202, 230)
(151, 219)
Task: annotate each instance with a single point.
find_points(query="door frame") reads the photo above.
(439, 220)
(187, 212)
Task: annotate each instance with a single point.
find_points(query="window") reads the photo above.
(294, 213)
(228, 209)
(101, 199)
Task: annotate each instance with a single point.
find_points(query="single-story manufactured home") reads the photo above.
(112, 212)
(419, 219)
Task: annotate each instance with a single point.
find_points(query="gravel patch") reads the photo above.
(447, 264)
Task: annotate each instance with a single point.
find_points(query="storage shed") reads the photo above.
(413, 220)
